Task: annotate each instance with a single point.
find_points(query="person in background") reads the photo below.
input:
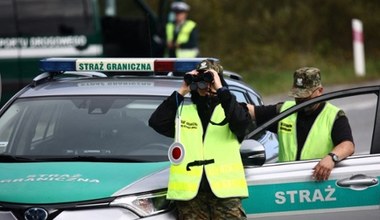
(182, 33)
(209, 182)
(318, 131)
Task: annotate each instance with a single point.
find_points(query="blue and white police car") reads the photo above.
(75, 144)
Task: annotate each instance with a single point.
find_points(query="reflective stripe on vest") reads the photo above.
(318, 142)
(183, 37)
(186, 53)
(226, 175)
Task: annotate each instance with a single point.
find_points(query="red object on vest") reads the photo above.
(176, 153)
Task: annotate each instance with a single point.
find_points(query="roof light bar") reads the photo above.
(120, 64)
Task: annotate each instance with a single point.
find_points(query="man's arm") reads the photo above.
(344, 147)
(162, 119)
(262, 113)
(251, 110)
(236, 113)
(323, 169)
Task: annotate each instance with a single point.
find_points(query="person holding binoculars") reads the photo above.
(207, 179)
(200, 79)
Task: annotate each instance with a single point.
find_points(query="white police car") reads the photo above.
(79, 147)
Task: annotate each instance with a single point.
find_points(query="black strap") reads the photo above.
(224, 122)
(199, 163)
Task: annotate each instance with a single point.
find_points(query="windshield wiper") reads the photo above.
(12, 158)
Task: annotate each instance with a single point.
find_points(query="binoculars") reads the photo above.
(198, 81)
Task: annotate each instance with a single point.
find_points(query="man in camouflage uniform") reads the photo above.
(319, 131)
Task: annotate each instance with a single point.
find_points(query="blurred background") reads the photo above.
(266, 40)
(262, 40)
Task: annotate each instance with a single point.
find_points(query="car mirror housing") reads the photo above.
(252, 153)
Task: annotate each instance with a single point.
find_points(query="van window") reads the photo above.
(59, 17)
(8, 27)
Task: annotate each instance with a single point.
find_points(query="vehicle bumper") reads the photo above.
(106, 213)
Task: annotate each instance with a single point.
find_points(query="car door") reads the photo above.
(287, 190)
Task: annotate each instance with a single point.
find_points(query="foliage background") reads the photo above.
(266, 40)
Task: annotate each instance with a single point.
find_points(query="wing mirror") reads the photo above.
(252, 153)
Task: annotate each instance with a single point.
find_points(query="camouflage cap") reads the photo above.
(210, 64)
(215, 65)
(305, 81)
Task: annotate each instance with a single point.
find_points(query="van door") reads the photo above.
(10, 45)
(55, 28)
(35, 29)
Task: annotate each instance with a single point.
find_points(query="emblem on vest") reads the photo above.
(189, 125)
(285, 127)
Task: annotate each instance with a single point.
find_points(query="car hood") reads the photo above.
(61, 182)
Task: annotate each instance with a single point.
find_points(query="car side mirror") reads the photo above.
(252, 153)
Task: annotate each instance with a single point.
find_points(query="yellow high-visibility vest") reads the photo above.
(226, 175)
(183, 37)
(318, 142)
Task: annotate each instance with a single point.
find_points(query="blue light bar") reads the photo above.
(120, 64)
(186, 65)
(57, 64)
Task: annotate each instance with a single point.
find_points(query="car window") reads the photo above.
(95, 126)
(360, 110)
(240, 96)
(255, 99)
(246, 97)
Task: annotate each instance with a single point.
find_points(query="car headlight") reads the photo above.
(145, 204)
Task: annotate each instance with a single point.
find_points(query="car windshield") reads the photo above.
(82, 128)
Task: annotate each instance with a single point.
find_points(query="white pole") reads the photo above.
(358, 46)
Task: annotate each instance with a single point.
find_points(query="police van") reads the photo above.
(75, 144)
(34, 29)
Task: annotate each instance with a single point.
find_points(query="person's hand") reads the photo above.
(216, 84)
(170, 45)
(185, 89)
(323, 169)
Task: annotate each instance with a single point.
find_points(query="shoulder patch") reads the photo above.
(341, 113)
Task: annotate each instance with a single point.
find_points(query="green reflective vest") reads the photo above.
(183, 37)
(226, 175)
(318, 142)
